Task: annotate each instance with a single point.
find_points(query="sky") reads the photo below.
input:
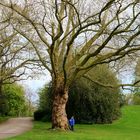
(33, 85)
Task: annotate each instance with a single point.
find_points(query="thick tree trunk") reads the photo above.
(59, 116)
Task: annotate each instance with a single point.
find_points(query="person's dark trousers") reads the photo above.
(72, 128)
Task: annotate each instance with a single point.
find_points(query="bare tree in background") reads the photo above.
(70, 37)
(15, 60)
(137, 69)
(30, 97)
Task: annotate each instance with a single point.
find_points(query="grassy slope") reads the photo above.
(3, 119)
(127, 128)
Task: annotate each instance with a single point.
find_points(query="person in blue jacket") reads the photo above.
(72, 123)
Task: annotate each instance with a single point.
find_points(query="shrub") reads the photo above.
(39, 114)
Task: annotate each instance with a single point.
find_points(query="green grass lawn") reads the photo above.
(2, 119)
(126, 128)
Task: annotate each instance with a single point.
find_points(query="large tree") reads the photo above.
(71, 37)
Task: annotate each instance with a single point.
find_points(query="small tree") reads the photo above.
(15, 100)
(30, 101)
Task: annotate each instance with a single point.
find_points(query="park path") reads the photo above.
(15, 126)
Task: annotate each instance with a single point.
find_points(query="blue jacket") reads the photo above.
(72, 122)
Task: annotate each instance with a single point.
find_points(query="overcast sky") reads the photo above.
(33, 85)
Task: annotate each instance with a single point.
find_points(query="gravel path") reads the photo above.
(15, 126)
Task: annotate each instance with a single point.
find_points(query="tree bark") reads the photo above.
(59, 116)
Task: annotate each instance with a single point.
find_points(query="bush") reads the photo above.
(93, 105)
(39, 114)
(42, 115)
